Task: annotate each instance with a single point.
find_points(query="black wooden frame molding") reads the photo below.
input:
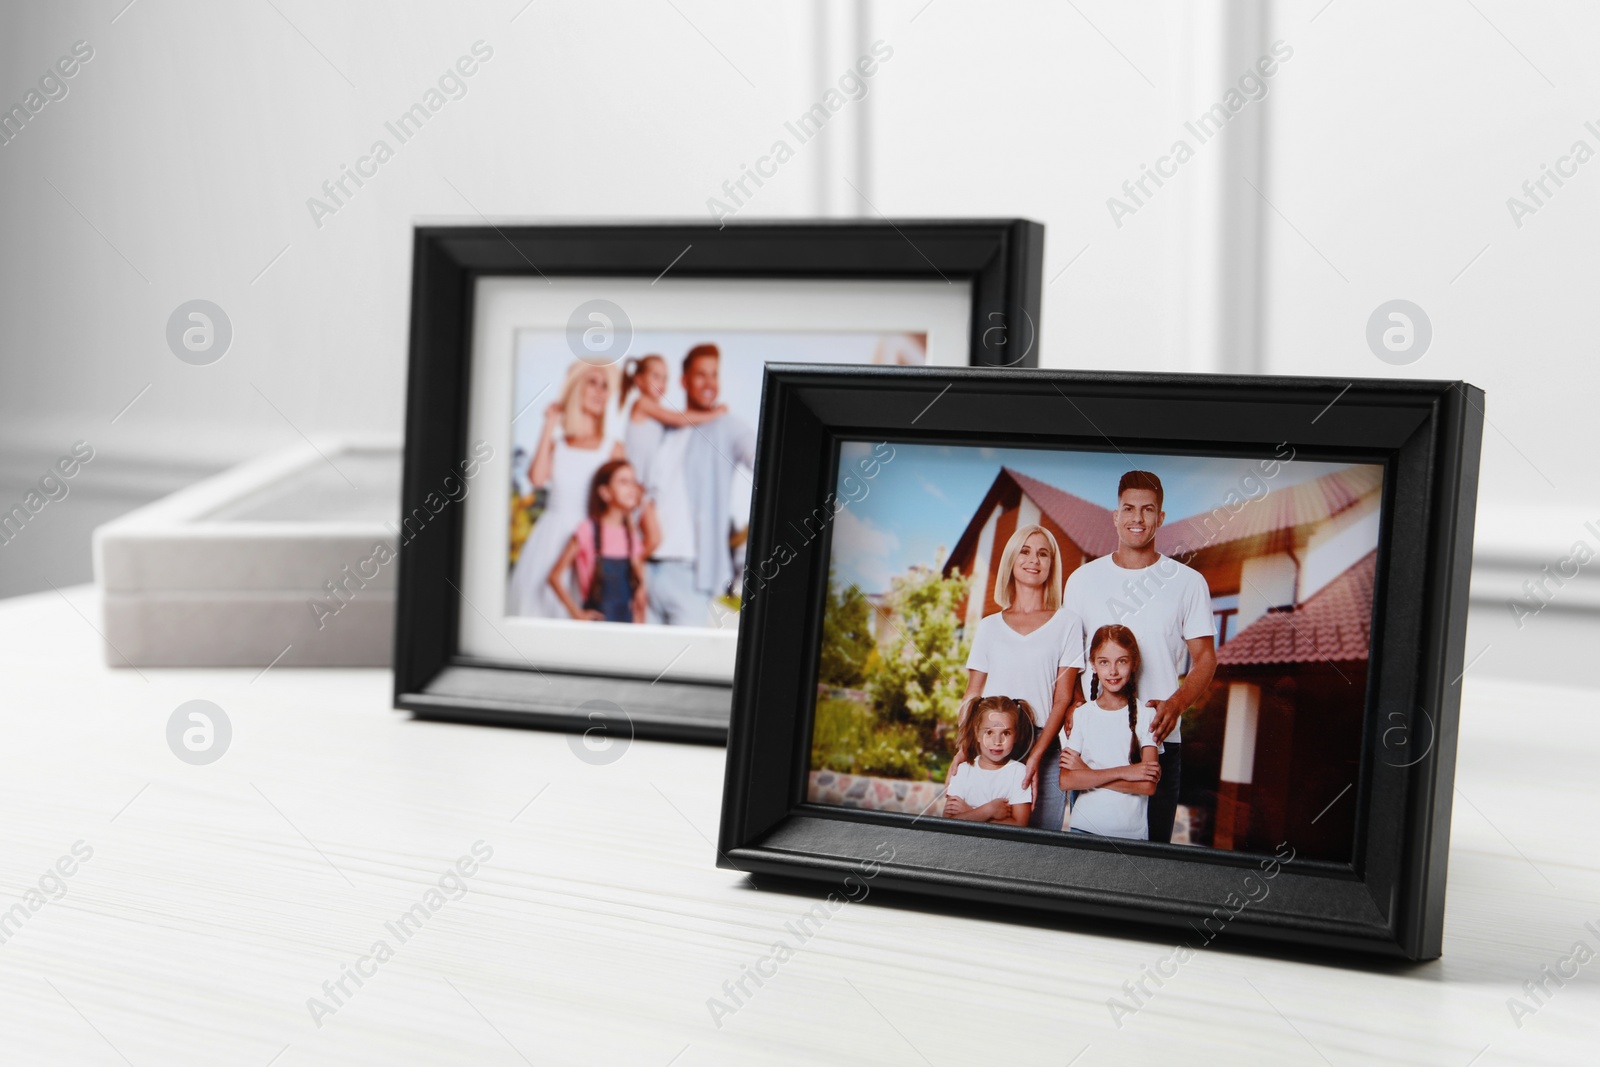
(1387, 899)
(1002, 259)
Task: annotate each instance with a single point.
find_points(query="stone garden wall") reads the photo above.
(875, 794)
(914, 798)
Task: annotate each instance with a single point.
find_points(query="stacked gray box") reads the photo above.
(286, 560)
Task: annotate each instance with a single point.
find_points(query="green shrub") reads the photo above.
(913, 673)
(847, 646)
(842, 728)
(847, 738)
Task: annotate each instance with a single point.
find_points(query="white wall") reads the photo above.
(180, 164)
(1388, 146)
(1239, 734)
(193, 139)
(1396, 138)
(982, 557)
(1337, 545)
(1265, 582)
(1026, 109)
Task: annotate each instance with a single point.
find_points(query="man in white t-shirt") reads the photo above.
(694, 468)
(673, 598)
(1167, 605)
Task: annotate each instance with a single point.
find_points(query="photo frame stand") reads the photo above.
(999, 260)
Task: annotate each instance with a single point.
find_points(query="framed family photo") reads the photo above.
(581, 438)
(1178, 649)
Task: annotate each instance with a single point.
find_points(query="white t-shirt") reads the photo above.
(1101, 738)
(670, 490)
(1024, 667)
(1165, 605)
(641, 441)
(977, 786)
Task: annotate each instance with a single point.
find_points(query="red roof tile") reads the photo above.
(1089, 525)
(1279, 510)
(1334, 625)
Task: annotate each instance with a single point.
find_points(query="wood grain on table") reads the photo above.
(220, 899)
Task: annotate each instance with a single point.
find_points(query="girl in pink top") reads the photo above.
(603, 562)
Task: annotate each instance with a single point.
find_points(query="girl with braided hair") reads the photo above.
(1111, 755)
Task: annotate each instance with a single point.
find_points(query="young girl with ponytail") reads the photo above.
(987, 784)
(1111, 755)
(648, 421)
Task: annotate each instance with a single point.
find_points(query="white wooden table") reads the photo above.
(220, 898)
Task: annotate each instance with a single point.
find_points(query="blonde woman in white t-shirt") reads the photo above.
(1029, 650)
(1111, 755)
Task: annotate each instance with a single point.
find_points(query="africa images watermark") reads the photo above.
(341, 591)
(851, 88)
(1538, 593)
(1537, 991)
(1247, 490)
(199, 732)
(52, 486)
(452, 85)
(757, 575)
(808, 925)
(52, 88)
(451, 885)
(1537, 189)
(1252, 87)
(50, 888)
(1256, 889)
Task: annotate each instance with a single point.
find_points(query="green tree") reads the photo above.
(847, 642)
(919, 678)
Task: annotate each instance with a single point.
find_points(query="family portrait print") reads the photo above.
(1143, 647)
(630, 492)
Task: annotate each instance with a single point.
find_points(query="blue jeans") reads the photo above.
(1050, 809)
(674, 598)
(615, 600)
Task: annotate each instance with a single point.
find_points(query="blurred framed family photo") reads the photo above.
(1175, 648)
(581, 441)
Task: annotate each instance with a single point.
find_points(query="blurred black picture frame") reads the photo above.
(1001, 260)
(1388, 899)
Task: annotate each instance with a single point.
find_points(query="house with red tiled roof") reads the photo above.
(1083, 530)
(1291, 576)
(1333, 625)
(1271, 551)
(1295, 681)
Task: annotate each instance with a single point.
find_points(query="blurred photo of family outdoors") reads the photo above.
(1144, 647)
(630, 494)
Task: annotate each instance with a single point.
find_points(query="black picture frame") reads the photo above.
(1387, 900)
(1000, 258)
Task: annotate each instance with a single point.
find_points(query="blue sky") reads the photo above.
(923, 498)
